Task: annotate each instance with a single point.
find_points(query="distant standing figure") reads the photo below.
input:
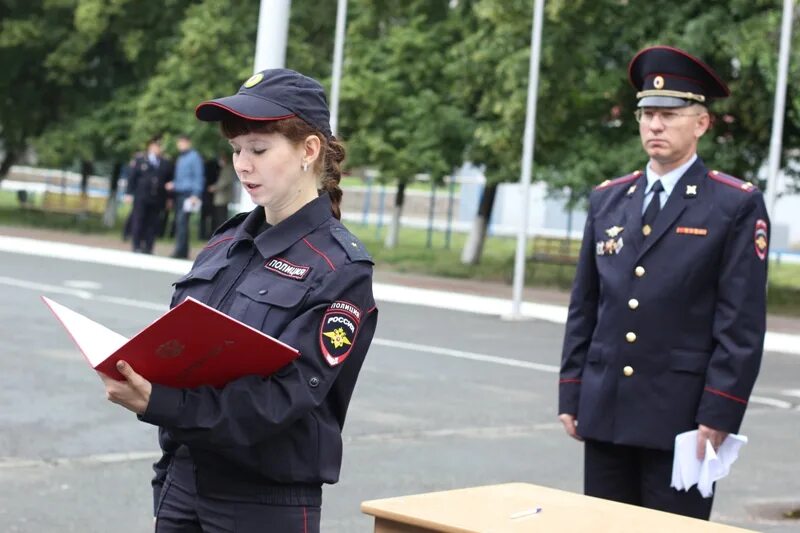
(147, 189)
(188, 189)
(222, 191)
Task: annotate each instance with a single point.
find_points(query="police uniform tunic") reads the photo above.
(665, 331)
(273, 440)
(147, 185)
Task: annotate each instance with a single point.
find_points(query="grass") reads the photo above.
(358, 181)
(412, 255)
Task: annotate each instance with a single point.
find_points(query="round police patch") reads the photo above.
(760, 239)
(253, 80)
(338, 331)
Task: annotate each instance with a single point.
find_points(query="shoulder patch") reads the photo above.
(618, 181)
(730, 181)
(353, 247)
(338, 331)
(235, 220)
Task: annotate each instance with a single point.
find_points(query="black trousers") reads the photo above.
(182, 510)
(144, 222)
(638, 476)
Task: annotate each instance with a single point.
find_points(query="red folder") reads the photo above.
(190, 345)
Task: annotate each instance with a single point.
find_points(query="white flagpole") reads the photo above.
(779, 109)
(527, 157)
(273, 33)
(338, 53)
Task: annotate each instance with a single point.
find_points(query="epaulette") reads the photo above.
(354, 248)
(617, 181)
(233, 221)
(730, 181)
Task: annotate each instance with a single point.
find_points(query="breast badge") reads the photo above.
(613, 244)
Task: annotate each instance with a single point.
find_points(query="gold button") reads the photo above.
(628, 371)
(646, 230)
(639, 271)
(630, 336)
(633, 303)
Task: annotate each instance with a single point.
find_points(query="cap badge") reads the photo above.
(253, 80)
(658, 82)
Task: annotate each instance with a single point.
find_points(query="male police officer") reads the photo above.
(667, 316)
(147, 189)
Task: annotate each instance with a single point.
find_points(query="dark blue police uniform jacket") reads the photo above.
(666, 332)
(308, 282)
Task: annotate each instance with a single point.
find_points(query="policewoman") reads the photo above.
(253, 455)
(666, 322)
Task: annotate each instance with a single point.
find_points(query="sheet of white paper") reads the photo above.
(688, 470)
(95, 340)
(191, 207)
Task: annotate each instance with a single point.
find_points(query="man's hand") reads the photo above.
(570, 425)
(705, 433)
(133, 393)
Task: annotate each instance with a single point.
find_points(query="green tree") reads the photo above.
(75, 66)
(585, 131)
(397, 111)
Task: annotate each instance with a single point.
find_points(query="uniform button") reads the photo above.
(630, 336)
(633, 303)
(314, 382)
(262, 291)
(639, 271)
(628, 371)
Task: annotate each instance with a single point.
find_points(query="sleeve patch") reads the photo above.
(760, 239)
(338, 331)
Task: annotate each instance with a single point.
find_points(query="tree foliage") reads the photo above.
(426, 83)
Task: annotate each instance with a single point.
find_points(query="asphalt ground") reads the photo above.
(446, 399)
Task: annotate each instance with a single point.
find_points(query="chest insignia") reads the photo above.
(682, 230)
(631, 190)
(691, 191)
(285, 268)
(613, 231)
(609, 246)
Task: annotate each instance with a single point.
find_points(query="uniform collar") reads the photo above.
(669, 179)
(281, 236)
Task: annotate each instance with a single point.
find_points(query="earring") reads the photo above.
(305, 166)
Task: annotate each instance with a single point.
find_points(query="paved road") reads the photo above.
(429, 412)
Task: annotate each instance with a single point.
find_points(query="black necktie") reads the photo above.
(653, 208)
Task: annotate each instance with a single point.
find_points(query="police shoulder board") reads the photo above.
(731, 181)
(618, 181)
(235, 220)
(353, 247)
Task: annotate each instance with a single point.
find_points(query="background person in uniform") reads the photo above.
(147, 189)
(222, 191)
(205, 218)
(187, 188)
(253, 455)
(667, 317)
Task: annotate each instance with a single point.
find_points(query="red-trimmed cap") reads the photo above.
(273, 94)
(669, 77)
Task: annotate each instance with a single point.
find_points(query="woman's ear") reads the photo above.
(311, 149)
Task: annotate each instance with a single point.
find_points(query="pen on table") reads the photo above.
(527, 512)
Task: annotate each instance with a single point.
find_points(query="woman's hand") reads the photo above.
(133, 393)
